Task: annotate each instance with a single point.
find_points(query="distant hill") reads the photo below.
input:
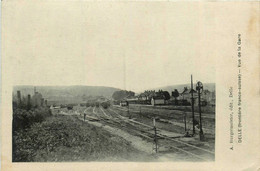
(67, 93)
(77, 94)
(206, 86)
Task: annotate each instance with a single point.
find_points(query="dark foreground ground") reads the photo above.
(65, 138)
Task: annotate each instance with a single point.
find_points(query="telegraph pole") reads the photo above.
(200, 87)
(192, 107)
(155, 136)
(185, 125)
(128, 111)
(185, 122)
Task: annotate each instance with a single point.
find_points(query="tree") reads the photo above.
(166, 95)
(175, 94)
(120, 95)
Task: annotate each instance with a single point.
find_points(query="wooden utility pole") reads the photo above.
(200, 87)
(192, 107)
(155, 136)
(185, 122)
(85, 117)
(185, 125)
(128, 110)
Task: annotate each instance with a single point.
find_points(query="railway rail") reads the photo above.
(149, 109)
(114, 119)
(170, 138)
(165, 118)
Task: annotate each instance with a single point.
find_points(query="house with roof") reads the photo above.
(123, 103)
(185, 95)
(132, 99)
(158, 100)
(209, 97)
(142, 96)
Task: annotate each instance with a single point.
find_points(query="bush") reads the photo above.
(23, 119)
(105, 105)
(65, 138)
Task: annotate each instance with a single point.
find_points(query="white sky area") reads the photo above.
(133, 46)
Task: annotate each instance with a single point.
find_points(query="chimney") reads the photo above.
(42, 101)
(29, 102)
(19, 100)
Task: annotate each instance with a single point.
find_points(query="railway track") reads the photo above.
(163, 118)
(112, 118)
(150, 109)
(170, 138)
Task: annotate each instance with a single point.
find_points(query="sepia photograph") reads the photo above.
(90, 123)
(115, 85)
(118, 88)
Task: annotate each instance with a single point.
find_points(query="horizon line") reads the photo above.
(106, 86)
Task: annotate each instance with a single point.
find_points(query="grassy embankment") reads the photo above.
(65, 138)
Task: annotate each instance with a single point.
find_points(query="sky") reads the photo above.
(133, 46)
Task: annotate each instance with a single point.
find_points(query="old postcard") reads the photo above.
(127, 85)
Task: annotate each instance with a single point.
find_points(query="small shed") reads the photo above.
(157, 100)
(123, 103)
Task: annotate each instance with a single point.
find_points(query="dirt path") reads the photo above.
(135, 141)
